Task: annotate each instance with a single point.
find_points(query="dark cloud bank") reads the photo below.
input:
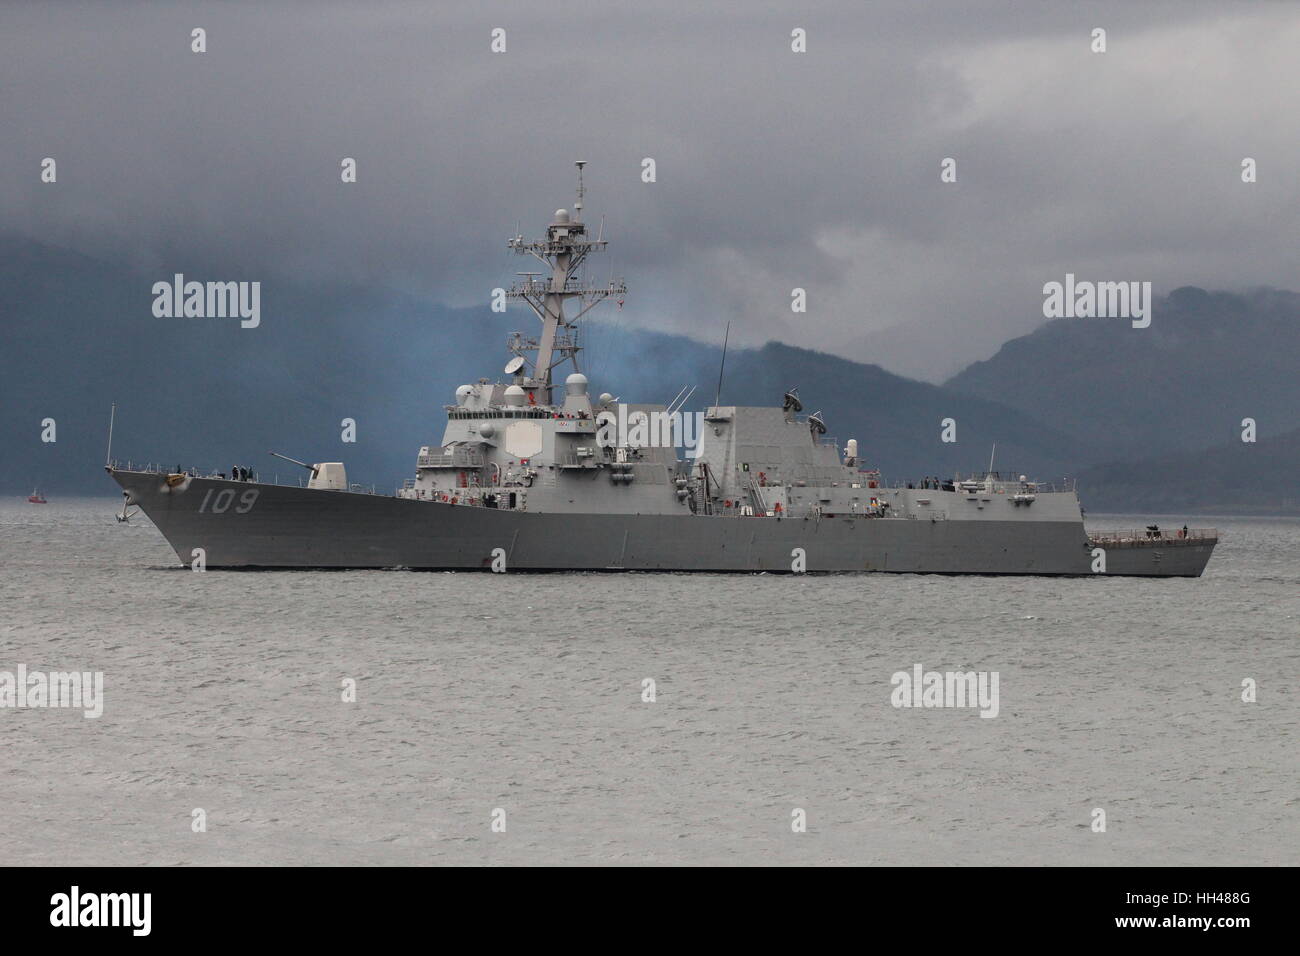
(775, 170)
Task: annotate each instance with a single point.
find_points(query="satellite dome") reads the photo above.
(561, 215)
(487, 429)
(514, 395)
(606, 398)
(576, 384)
(463, 393)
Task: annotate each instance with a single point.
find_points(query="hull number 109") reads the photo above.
(225, 498)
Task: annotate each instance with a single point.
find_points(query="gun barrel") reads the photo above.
(311, 468)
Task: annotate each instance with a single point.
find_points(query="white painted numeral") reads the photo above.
(225, 497)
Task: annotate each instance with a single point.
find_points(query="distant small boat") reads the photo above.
(36, 497)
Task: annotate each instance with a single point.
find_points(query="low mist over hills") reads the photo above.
(1074, 397)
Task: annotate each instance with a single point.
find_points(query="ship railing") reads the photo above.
(1146, 536)
(460, 498)
(528, 343)
(580, 461)
(1010, 487)
(538, 287)
(1047, 487)
(460, 459)
(1002, 474)
(1000, 486)
(154, 468)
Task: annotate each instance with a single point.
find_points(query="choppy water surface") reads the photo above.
(524, 692)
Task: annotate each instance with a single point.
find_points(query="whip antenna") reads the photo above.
(725, 338)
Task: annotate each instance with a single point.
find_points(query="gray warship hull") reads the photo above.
(294, 527)
(535, 475)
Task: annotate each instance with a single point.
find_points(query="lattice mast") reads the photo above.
(563, 251)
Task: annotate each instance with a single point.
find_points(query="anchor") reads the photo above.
(126, 516)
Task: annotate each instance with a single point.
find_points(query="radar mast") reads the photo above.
(563, 251)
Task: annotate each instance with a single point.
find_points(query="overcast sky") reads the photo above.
(775, 169)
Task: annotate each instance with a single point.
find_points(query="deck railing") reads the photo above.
(256, 478)
(1146, 536)
(1002, 486)
(459, 459)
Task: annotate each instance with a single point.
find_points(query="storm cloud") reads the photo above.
(775, 169)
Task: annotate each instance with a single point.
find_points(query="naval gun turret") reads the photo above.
(325, 475)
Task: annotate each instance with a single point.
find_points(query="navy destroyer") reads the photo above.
(534, 473)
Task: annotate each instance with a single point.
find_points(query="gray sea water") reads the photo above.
(475, 691)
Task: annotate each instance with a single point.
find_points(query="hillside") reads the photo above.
(1234, 478)
(1208, 360)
